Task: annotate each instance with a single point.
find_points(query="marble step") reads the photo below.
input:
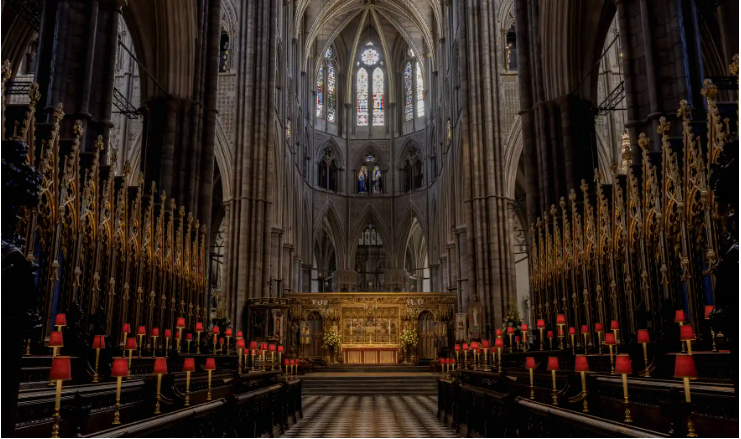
(375, 384)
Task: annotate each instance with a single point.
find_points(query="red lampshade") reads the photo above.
(541, 324)
(99, 342)
(708, 310)
(253, 345)
(584, 329)
(622, 364)
(465, 346)
(684, 366)
(498, 343)
(452, 360)
(550, 334)
(189, 336)
(499, 332)
(60, 320)
(443, 361)
(614, 325)
(485, 344)
(120, 367)
(272, 348)
(530, 363)
(239, 334)
(523, 327)
(155, 332)
(686, 332)
(510, 329)
(126, 328)
(199, 326)
(553, 363)
(598, 327)
(560, 319)
(475, 345)
(286, 362)
(215, 330)
(572, 331)
(240, 343)
(180, 323)
(293, 361)
(141, 330)
(643, 336)
(177, 335)
(160, 366)
(280, 349)
(610, 338)
(55, 339)
(221, 340)
(131, 344)
(581, 364)
(168, 333)
(263, 346)
(60, 369)
(228, 332)
(679, 316)
(210, 364)
(517, 338)
(457, 347)
(189, 365)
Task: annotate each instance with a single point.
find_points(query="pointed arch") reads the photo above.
(404, 231)
(329, 221)
(366, 215)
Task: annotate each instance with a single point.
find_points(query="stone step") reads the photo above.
(369, 384)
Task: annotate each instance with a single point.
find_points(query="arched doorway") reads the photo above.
(426, 331)
(315, 323)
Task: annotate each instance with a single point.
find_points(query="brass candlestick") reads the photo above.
(510, 342)
(154, 345)
(645, 360)
(208, 395)
(180, 337)
(499, 351)
(612, 363)
(560, 337)
(215, 335)
(130, 352)
(198, 343)
(586, 349)
(57, 403)
(97, 357)
(524, 341)
(628, 419)
(239, 361)
(262, 359)
(615, 332)
(227, 343)
(167, 345)
(712, 334)
(141, 337)
(272, 361)
(584, 390)
(117, 413)
(157, 404)
(28, 346)
(555, 398)
(690, 425)
(486, 359)
(599, 341)
(680, 330)
(187, 389)
(541, 338)
(573, 344)
(198, 347)
(532, 388)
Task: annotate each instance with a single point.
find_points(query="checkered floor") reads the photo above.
(369, 416)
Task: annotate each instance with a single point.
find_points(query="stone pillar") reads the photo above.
(76, 62)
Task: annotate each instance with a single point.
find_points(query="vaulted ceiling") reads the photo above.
(415, 23)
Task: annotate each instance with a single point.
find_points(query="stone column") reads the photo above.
(76, 62)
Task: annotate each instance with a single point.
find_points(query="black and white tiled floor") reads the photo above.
(369, 416)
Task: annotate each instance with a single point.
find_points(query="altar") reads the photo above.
(369, 325)
(355, 354)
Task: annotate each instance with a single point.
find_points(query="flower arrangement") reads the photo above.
(513, 318)
(331, 338)
(409, 337)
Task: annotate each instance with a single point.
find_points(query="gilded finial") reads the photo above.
(58, 112)
(203, 229)
(181, 212)
(597, 177)
(733, 68)
(112, 157)
(153, 189)
(197, 224)
(562, 203)
(709, 90)
(173, 206)
(572, 195)
(684, 109)
(163, 198)
(553, 210)
(140, 180)
(643, 141)
(663, 126)
(126, 169)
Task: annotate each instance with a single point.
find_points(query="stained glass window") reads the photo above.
(370, 56)
(370, 158)
(328, 53)
(331, 92)
(362, 97)
(363, 180)
(408, 92)
(320, 93)
(450, 129)
(378, 102)
(376, 178)
(420, 92)
(410, 52)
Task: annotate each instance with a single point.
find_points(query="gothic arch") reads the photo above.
(405, 230)
(369, 214)
(319, 152)
(512, 152)
(405, 150)
(330, 221)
